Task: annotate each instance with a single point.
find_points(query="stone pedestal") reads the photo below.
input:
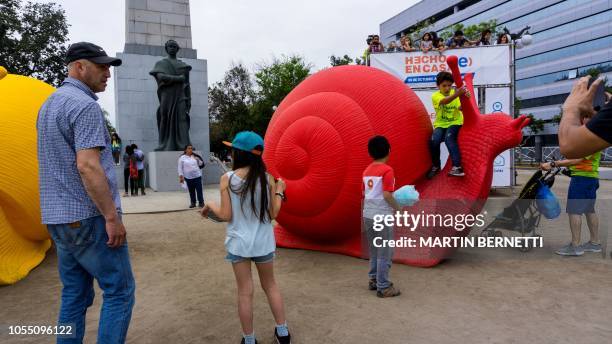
(163, 175)
(149, 24)
(162, 171)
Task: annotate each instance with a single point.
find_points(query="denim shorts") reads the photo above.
(232, 258)
(581, 195)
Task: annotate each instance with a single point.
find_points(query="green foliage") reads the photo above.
(277, 79)
(517, 107)
(33, 39)
(344, 60)
(274, 81)
(245, 102)
(340, 61)
(593, 72)
(229, 102)
(416, 32)
(471, 32)
(535, 125)
(109, 125)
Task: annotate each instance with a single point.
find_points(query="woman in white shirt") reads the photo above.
(189, 165)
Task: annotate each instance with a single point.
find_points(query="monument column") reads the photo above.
(149, 25)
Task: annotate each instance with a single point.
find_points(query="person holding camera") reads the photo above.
(374, 46)
(577, 140)
(581, 196)
(366, 52)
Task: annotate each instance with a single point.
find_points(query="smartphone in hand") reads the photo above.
(600, 95)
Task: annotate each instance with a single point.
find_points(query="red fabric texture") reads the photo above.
(381, 170)
(317, 142)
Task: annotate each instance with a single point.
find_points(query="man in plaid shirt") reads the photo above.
(79, 199)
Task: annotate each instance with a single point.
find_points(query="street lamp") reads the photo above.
(527, 39)
(519, 40)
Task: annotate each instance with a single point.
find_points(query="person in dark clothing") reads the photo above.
(140, 157)
(129, 157)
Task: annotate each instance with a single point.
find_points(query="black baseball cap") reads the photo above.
(91, 52)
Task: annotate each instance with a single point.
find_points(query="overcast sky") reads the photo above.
(245, 31)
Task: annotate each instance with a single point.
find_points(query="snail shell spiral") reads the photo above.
(317, 142)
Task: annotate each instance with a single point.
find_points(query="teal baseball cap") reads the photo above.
(247, 141)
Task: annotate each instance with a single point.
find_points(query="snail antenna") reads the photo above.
(468, 105)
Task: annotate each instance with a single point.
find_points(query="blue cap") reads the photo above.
(247, 141)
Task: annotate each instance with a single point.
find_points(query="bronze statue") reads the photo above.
(174, 94)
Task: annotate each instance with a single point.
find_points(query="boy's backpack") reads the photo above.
(133, 169)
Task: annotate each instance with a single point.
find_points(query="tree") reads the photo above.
(535, 125)
(415, 33)
(274, 81)
(240, 102)
(33, 39)
(343, 61)
(109, 125)
(229, 105)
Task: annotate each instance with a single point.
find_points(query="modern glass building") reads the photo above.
(569, 38)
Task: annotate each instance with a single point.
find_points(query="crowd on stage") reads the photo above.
(430, 41)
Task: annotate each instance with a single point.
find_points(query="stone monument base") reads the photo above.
(163, 175)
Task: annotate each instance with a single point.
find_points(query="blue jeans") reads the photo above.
(195, 186)
(83, 255)
(449, 137)
(380, 257)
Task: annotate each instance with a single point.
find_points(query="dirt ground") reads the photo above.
(186, 293)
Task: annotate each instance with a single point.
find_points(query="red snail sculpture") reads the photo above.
(317, 142)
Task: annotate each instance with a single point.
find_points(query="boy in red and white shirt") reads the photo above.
(378, 201)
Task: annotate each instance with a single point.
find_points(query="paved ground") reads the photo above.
(186, 292)
(179, 200)
(154, 202)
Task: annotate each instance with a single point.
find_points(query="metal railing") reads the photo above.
(551, 153)
(218, 161)
(527, 155)
(524, 155)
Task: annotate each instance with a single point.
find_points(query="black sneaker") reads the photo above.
(456, 171)
(192, 206)
(282, 340)
(201, 205)
(432, 172)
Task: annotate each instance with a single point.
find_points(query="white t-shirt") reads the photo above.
(188, 167)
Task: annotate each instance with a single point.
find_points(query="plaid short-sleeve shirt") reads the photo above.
(70, 120)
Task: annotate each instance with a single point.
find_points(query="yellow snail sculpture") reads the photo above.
(23, 239)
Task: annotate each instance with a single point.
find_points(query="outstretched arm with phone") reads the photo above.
(577, 140)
